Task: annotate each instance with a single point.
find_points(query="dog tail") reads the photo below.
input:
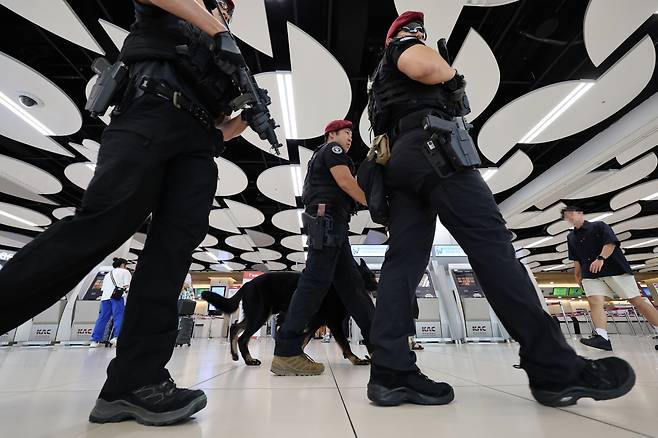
(225, 305)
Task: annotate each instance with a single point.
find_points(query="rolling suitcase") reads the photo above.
(185, 329)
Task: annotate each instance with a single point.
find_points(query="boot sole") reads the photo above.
(382, 396)
(596, 346)
(570, 396)
(287, 371)
(119, 410)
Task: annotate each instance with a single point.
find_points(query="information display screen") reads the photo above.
(95, 290)
(467, 283)
(425, 289)
(219, 290)
(560, 291)
(575, 292)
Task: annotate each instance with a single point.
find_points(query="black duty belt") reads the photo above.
(327, 209)
(413, 121)
(178, 99)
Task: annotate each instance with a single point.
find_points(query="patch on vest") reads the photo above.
(337, 150)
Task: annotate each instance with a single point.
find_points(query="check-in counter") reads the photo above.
(44, 325)
(84, 319)
(478, 318)
(428, 324)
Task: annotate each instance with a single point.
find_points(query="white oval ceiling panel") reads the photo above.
(240, 241)
(478, 64)
(297, 257)
(512, 173)
(652, 262)
(531, 219)
(197, 267)
(636, 193)
(80, 174)
(543, 257)
(533, 265)
(358, 239)
(276, 266)
(235, 266)
(639, 223)
(522, 253)
(365, 127)
(375, 238)
(88, 149)
(243, 215)
(609, 23)
(624, 236)
(562, 247)
(640, 256)
(288, 220)
(54, 114)
(131, 257)
(644, 242)
(18, 178)
(360, 221)
(138, 241)
(212, 255)
(116, 33)
(55, 16)
(642, 146)
(268, 254)
(249, 23)
(227, 267)
(540, 241)
(13, 240)
(209, 240)
(618, 179)
(573, 105)
(276, 183)
(21, 217)
(260, 239)
(232, 179)
(298, 267)
(253, 257)
(61, 213)
(222, 220)
(296, 242)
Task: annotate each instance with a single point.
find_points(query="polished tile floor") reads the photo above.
(48, 392)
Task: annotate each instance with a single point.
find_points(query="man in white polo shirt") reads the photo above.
(602, 271)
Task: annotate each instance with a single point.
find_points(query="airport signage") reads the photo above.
(449, 251)
(5, 256)
(81, 332)
(369, 250)
(428, 329)
(479, 329)
(43, 332)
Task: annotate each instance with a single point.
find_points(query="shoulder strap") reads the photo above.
(112, 278)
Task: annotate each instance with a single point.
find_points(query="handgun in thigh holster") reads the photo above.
(320, 230)
(450, 148)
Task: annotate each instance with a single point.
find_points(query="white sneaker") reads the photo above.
(94, 344)
(113, 341)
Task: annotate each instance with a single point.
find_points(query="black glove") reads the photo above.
(456, 83)
(226, 53)
(259, 122)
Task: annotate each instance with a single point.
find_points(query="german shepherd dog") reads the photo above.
(271, 293)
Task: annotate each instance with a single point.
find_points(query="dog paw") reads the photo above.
(235, 357)
(252, 362)
(359, 362)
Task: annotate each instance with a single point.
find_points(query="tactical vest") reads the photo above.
(318, 190)
(159, 35)
(390, 90)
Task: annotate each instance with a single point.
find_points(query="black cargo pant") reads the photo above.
(468, 210)
(154, 159)
(328, 265)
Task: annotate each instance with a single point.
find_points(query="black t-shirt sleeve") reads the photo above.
(396, 49)
(333, 155)
(607, 235)
(573, 255)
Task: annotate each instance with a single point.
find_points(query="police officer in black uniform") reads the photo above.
(329, 195)
(156, 158)
(411, 82)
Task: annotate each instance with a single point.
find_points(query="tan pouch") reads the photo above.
(380, 150)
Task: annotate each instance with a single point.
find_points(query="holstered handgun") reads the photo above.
(450, 148)
(111, 82)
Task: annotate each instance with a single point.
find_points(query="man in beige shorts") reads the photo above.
(602, 271)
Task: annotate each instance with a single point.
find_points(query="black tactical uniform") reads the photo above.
(466, 207)
(329, 261)
(155, 158)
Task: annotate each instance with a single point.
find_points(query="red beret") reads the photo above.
(401, 21)
(337, 125)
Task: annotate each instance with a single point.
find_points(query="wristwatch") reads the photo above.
(601, 258)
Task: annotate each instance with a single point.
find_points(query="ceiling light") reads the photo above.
(650, 197)
(299, 219)
(213, 256)
(556, 112)
(296, 176)
(286, 95)
(226, 266)
(91, 166)
(638, 266)
(642, 243)
(539, 242)
(17, 219)
(488, 174)
(304, 241)
(24, 115)
(600, 217)
(553, 268)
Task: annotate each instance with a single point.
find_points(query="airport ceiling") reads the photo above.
(562, 95)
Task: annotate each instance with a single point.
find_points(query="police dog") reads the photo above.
(271, 293)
